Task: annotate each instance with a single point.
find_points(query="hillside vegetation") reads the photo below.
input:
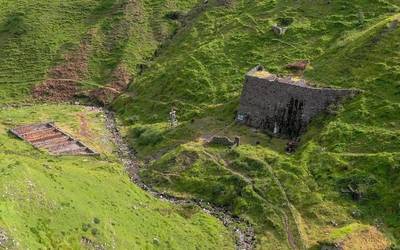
(36, 35)
(70, 202)
(192, 56)
(293, 200)
(50, 202)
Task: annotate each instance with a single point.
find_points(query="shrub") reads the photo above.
(174, 15)
(285, 21)
(96, 220)
(151, 136)
(85, 227)
(94, 231)
(16, 24)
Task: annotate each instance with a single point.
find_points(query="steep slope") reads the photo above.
(82, 202)
(294, 200)
(192, 55)
(36, 36)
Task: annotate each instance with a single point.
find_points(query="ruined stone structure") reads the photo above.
(224, 141)
(283, 106)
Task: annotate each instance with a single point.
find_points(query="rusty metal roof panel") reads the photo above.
(48, 137)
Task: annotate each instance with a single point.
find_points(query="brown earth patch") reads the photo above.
(298, 65)
(61, 84)
(119, 82)
(83, 126)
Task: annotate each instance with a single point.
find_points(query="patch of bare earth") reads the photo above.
(121, 32)
(84, 130)
(61, 85)
(119, 82)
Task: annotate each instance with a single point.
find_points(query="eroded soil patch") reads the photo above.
(61, 84)
(119, 82)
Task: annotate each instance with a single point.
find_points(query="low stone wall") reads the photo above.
(221, 141)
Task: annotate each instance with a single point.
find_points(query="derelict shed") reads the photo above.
(283, 106)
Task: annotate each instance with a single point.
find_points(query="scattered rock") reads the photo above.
(280, 31)
(292, 145)
(61, 85)
(3, 238)
(90, 244)
(333, 223)
(156, 241)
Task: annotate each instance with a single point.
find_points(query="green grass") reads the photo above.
(201, 74)
(35, 35)
(52, 202)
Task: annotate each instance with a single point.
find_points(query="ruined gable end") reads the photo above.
(283, 106)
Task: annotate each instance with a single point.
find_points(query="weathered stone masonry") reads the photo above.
(283, 106)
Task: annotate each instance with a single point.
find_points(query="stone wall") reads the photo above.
(283, 106)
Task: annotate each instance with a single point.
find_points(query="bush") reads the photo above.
(85, 227)
(136, 132)
(151, 136)
(94, 231)
(96, 220)
(174, 15)
(285, 21)
(16, 24)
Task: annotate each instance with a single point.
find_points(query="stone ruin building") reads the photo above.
(283, 106)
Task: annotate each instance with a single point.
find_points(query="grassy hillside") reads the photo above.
(292, 199)
(36, 35)
(193, 56)
(84, 202)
